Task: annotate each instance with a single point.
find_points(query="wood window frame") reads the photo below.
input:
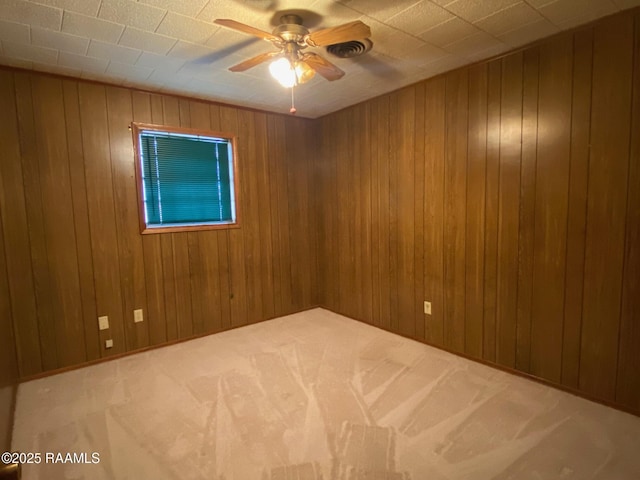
(136, 129)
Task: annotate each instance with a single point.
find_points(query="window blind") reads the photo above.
(186, 179)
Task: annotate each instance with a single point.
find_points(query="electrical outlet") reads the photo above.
(108, 343)
(427, 308)
(137, 316)
(103, 322)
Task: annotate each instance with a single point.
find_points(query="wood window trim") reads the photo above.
(136, 129)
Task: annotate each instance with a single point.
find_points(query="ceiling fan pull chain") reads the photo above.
(292, 110)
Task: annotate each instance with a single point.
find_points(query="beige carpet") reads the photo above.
(316, 396)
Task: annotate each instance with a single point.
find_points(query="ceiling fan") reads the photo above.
(290, 38)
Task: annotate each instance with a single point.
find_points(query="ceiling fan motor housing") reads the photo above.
(291, 29)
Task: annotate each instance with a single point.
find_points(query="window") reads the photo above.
(186, 179)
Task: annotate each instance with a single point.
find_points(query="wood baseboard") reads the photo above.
(56, 371)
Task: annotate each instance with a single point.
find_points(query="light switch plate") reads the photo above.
(137, 316)
(427, 308)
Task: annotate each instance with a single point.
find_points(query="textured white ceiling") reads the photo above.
(174, 46)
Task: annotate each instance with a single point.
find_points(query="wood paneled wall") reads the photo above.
(508, 195)
(70, 229)
(8, 360)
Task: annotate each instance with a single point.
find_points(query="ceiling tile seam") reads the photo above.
(36, 47)
(502, 10)
(402, 11)
(61, 16)
(86, 49)
(117, 46)
(197, 15)
(542, 13)
(442, 23)
(457, 40)
(540, 6)
(560, 25)
(95, 14)
(155, 30)
(403, 32)
(121, 34)
(522, 26)
(203, 43)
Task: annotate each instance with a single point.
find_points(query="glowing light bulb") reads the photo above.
(281, 70)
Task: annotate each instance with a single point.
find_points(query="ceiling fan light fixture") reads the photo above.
(288, 77)
(304, 72)
(281, 70)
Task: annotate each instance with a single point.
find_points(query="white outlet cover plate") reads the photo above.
(108, 343)
(137, 316)
(103, 323)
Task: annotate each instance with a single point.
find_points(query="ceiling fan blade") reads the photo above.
(252, 62)
(241, 27)
(325, 68)
(339, 34)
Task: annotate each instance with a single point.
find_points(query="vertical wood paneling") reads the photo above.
(298, 190)
(394, 193)
(606, 204)
(81, 220)
(382, 238)
(576, 225)
(35, 221)
(324, 216)
(519, 160)
(70, 227)
(455, 203)
(355, 247)
(280, 217)
(406, 212)
(55, 185)
(491, 210)
(366, 179)
(237, 272)
(509, 209)
(628, 380)
(152, 247)
(16, 234)
(434, 208)
(419, 221)
(263, 210)
(166, 244)
(552, 189)
(131, 255)
(8, 360)
(475, 210)
(372, 123)
(102, 221)
(527, 208)
(250, 230)
(344, 189)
